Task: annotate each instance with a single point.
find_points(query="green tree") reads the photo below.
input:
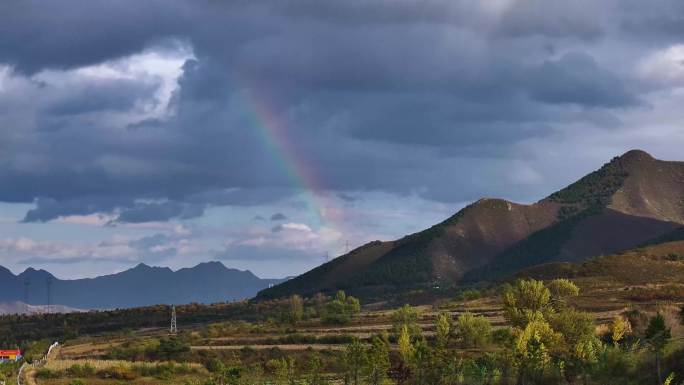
(355, 360)
(315, 368)
(474, 331)
(172, 348)
(342, 309)
(406, 316)
(561, 289)
(296, 309)
(525, 301)
(284, 371)
(575, 326)
(422, 364)
(405, 345)
(658, 335)
(377, 363)
(443, 330)
(532, 351)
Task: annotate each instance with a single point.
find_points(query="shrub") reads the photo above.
(406, 316)
(474, 331)
(342, 309)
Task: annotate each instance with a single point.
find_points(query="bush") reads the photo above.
(474, 331)
(406, 316)
(468, 295)
(117, 373)
(342, 309)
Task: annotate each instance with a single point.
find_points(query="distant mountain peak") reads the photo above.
(143, 267)
(212, 264)
(636, 155)
(30, 272)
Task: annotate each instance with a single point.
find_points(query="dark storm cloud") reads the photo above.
(38, 35)
(397, 97)
(580, 19)
(577, 78)
(153, 212)
(48, 208)
(278, 217)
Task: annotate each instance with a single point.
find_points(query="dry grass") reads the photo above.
(62, 365)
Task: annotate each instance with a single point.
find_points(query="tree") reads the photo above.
(443, 330)
(284, 371)
(171, 348)
(296, 309)
(561, 289)
(342, 309)
(355, 359)
(525, 301)
(405, 346)
(532, 349)
(575, 326)
(474, 331)
(406, 316)
(315, 367)
(658, 335)
(377, 363)
(422, 364)
(619, 328)
(319, 300)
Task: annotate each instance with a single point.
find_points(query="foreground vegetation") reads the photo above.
(531, 332)
(609, 320)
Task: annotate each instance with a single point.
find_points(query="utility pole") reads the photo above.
(346, 247)
(48, 283)
(174, 324)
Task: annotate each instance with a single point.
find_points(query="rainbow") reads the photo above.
(272, 131)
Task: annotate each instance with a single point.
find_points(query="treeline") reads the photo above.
(18, 330)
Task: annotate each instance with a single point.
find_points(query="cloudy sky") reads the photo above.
(271, 134)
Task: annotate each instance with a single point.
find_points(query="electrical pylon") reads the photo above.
(174, 324)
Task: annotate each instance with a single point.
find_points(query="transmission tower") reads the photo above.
(48, 283)
(174, 325)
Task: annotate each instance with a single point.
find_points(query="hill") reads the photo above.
(140, 286)
(631, 200)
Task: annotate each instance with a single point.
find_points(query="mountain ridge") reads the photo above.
(634, 192)
(141, 285)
